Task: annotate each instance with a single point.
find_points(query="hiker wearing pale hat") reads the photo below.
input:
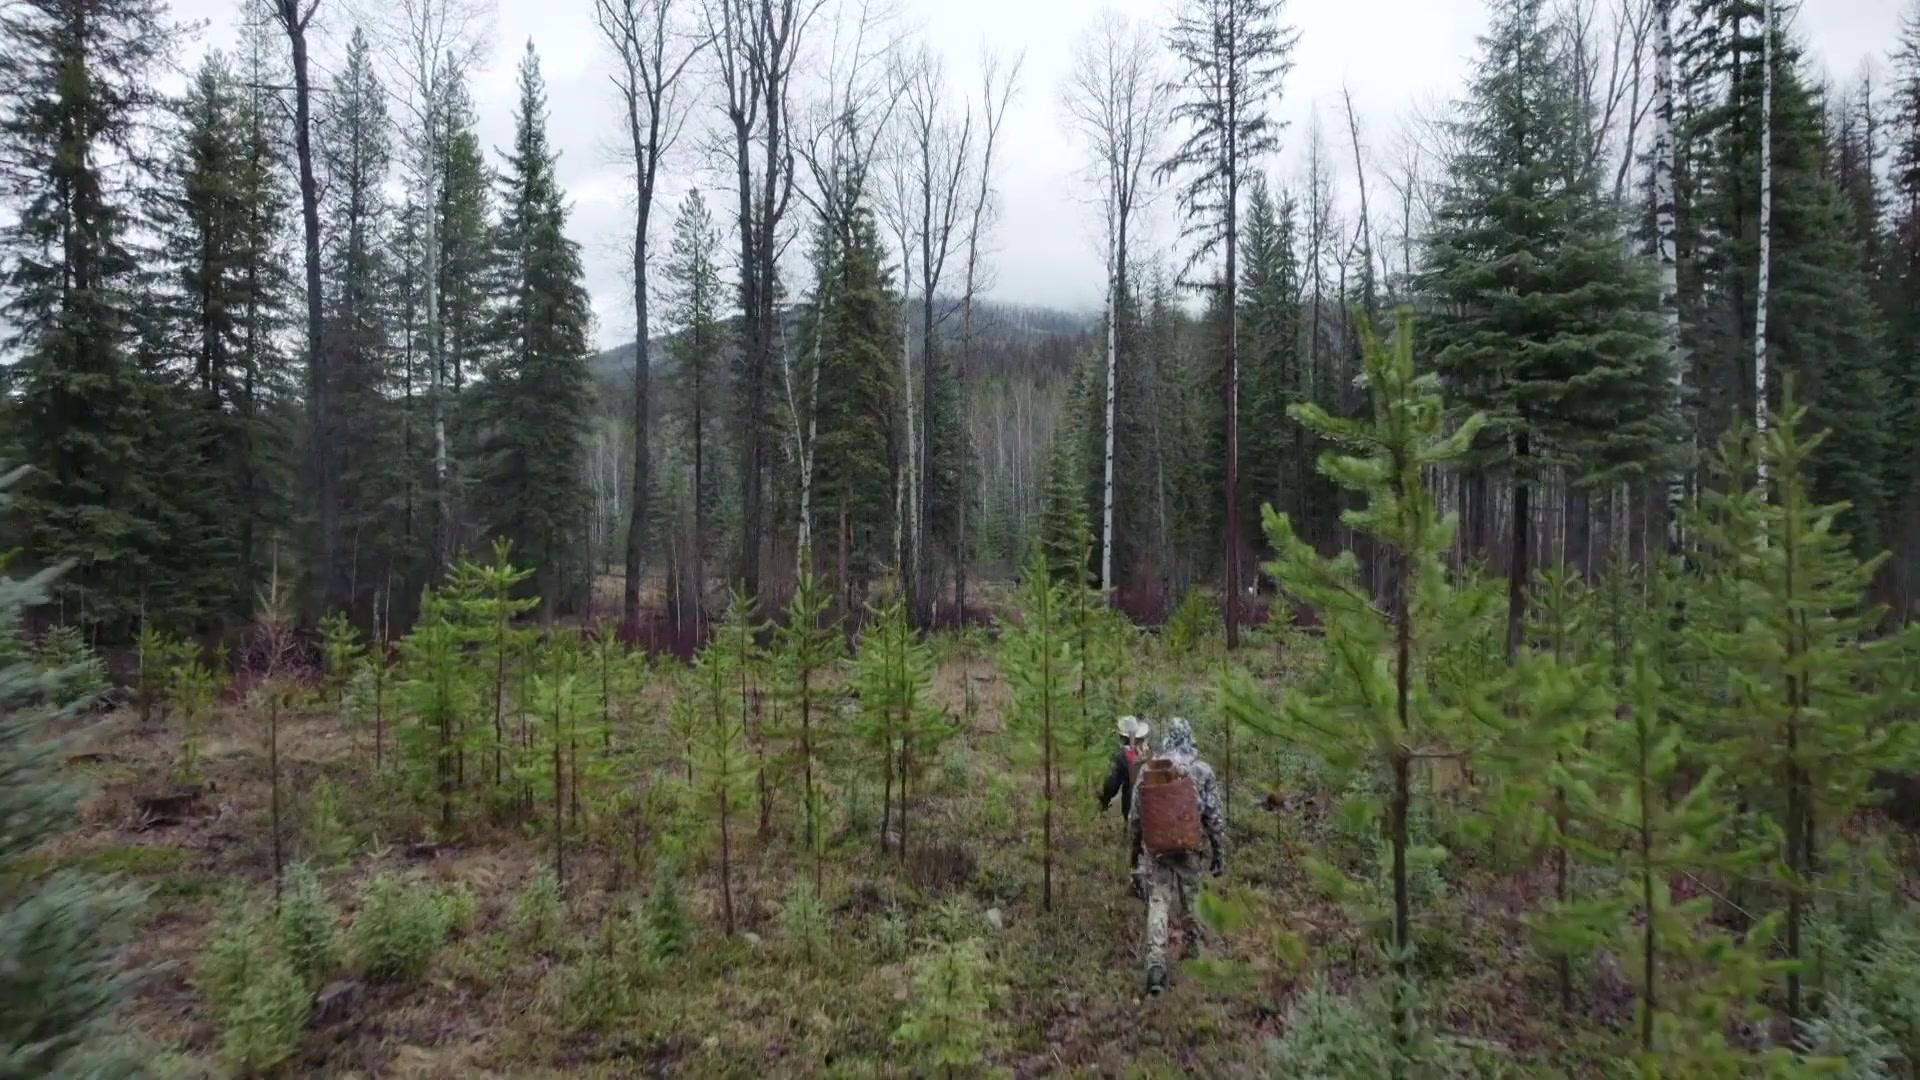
(1176, 814)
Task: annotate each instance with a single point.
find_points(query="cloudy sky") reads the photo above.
(1392, 54)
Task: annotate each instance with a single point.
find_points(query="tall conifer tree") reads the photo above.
(1550, 328)
(536, 401)
(75, 86)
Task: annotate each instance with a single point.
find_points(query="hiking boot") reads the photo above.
(1156, 981)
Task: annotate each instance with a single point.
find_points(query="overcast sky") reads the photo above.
(1392, 54)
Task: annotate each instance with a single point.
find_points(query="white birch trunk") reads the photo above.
(1667, 251)
(1113, 367)
(1766, 235)
(804, 433)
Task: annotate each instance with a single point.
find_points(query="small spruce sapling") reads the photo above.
(948, 1024)
(341, 651)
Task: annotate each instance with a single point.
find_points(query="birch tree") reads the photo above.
(1666, 245)
(757, 46)
(939, 146)
(652, 51)
(1234, 55)
(1117, 101)
(428, 47)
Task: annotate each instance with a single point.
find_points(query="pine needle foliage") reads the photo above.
(1039, 661)
(722, 758)
(60, 981)
(1389, 705)
(1784, 623)
(806, 647)
(899, 718)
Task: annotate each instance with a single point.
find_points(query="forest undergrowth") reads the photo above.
(1646, 838)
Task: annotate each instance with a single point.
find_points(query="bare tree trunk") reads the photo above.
(294, 19)
(1766, 234)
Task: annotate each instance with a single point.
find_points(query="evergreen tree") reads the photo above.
(854, 337)
(467, 257)
(61, 981)
(1783, 631)
(1270, 375)
(219, 301)
(536, 400)
(1548, 327)
(356, 151)
(1822, 324)
(76, 84)
(695, 298)
(1402, 701)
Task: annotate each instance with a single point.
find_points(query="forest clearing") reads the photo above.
(503, 848)
(497, 583)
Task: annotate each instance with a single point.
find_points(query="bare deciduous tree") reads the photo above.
(757, 46)
(652, 51)
(939, 146)
(1117, 100)
(997, 87)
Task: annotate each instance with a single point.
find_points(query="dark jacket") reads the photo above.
(1119, 782)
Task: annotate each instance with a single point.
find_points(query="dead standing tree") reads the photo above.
(294, 17)
(757, 44)
(996, 93)
(652, 51)
(940, 147)
(1234, 55)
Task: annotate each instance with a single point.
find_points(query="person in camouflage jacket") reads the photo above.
(1171, 879)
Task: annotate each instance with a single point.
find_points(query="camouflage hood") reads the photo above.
(1179, 740)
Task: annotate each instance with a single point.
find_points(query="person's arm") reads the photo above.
(1116, 780)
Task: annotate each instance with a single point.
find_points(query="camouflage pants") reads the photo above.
(1171, 880)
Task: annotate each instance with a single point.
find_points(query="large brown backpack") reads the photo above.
(1169, 809)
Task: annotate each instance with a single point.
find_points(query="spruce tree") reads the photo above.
(854, 337)
(535, 403)
(76, 87)
(466, 271)
(1270, 355)
(219, 298)
(1547, 326)
(695, 298)
(61, 981)
(356, 152)
(1822, 324)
